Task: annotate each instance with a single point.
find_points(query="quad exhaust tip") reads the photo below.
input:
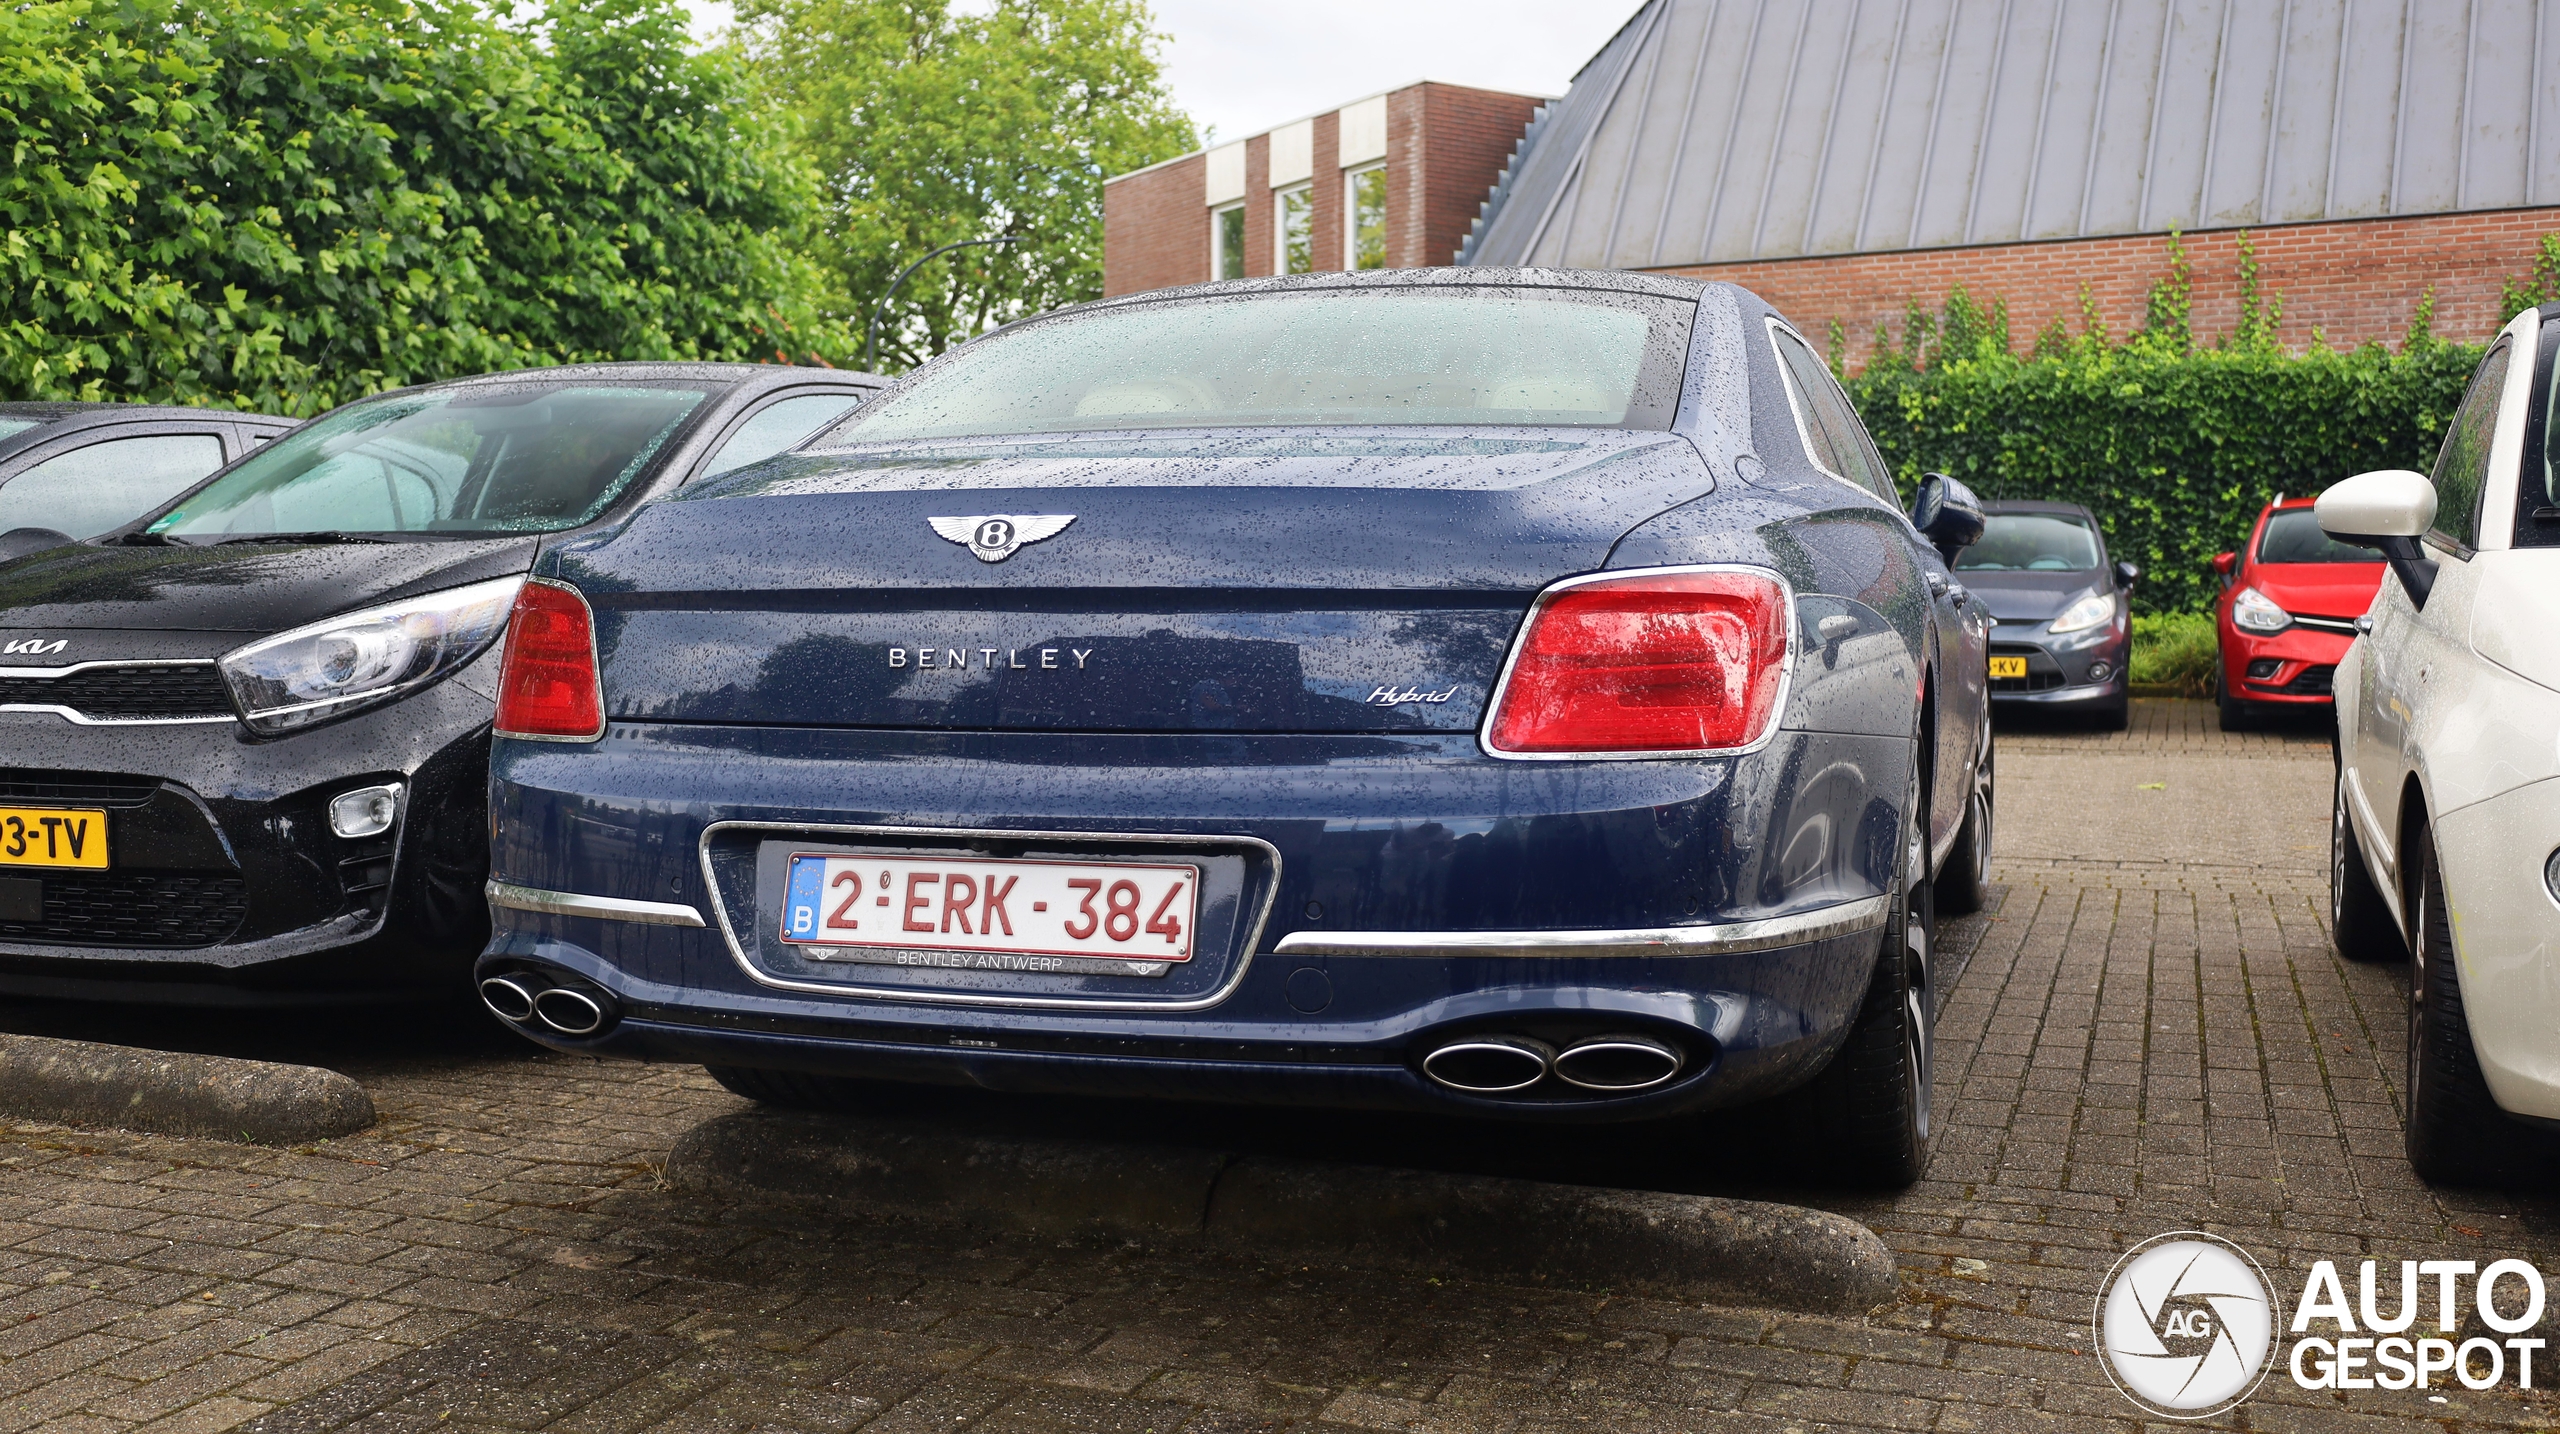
(509, 998)
(570, 1012)
(525, 998)
(1490, 1065)
(1615, 1064)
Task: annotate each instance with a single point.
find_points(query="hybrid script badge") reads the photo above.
(2186, 1324)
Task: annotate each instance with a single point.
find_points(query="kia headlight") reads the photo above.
(2254, 611)
(357, 659)
(2086, 613)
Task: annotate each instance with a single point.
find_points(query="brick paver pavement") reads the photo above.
(2149, 1034)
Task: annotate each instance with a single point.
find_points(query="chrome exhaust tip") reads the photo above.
(1618, 1063)
(1489, 1065)
(509, 998)
(571, 1012)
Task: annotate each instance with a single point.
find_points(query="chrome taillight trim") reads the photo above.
(1519, 640)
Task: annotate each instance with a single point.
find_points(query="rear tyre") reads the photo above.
(1964, 882)
(2360, 925)
(2456, 1135)
(1865, 1119)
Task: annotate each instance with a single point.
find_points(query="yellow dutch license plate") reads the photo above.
(2008, 667)
(53, 836)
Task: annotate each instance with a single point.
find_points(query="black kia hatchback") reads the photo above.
(88, 468)
(244, 740)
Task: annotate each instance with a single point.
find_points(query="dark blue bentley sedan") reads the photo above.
(1506, 693)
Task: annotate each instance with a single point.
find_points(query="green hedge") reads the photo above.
(2175, 447)
(286, 204)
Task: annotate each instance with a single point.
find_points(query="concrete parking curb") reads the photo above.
(1729, 1251)
(173, 1093)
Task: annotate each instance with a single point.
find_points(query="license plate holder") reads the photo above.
(2008, 667)
(59, 838)
(968, 912)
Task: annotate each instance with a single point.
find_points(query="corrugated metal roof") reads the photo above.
(1715, 130)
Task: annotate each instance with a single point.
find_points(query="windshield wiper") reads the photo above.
(149, 540)
(301, 538)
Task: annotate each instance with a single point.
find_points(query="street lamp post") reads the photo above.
(871, 345)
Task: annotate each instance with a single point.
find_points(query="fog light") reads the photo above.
(366, 811)
(2100, 672)
(2262, 668)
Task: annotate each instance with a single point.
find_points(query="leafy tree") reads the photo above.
(285, 204)
(931, 126)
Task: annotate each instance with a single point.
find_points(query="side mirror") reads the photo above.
(18, 542)
(2386, 509)
(2223, 563)
(2127, 574)
(1947, 514)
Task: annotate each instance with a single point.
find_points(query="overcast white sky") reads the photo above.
(1243, 67)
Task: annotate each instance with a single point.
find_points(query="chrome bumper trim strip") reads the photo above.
(611, 908)
(1715, 939)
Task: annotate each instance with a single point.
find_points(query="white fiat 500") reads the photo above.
(2445, 829)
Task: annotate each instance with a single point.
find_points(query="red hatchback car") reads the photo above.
(2289, 606)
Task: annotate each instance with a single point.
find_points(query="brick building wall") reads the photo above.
(1155, 230)
(1471, 136)
(2351, 280)
(1445, 147)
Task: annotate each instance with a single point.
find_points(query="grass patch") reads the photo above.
(2174, 649)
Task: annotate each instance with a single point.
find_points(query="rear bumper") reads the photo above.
(1416, 891)
(1748, 1023)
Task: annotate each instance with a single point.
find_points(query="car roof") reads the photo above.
(1594, 280)
(772, 373)
(50, 412)
(2037, 505)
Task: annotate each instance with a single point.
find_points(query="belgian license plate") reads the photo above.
(1008, 913)
(53, 836)
(2008, 667)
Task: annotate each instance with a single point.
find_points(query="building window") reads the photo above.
(1226, 242)
(1295, 233)
(1364, 212)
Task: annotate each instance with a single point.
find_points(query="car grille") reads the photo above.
(2311, 682)
(126, 692)
(96, 789)
(2042, 672)
(134, 909)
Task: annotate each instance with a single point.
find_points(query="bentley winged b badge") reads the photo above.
(994, 536)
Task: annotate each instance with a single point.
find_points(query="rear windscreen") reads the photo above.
(2294, 536)
(524, 458)
(2031, 543)
(1443, 355)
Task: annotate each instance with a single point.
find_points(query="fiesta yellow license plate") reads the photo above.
(53, 836)
(2008, 667)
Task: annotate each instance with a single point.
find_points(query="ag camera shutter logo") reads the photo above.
(2186, 1325)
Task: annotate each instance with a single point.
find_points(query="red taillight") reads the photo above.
(547, 683)
(1653, 662)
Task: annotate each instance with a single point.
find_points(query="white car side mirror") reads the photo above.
(2386, 509)
(2386, 503)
